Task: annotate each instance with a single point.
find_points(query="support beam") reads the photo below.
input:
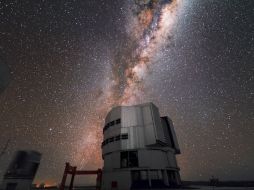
(64, 176)
(72, 170)
(72, 177)
(86, 172)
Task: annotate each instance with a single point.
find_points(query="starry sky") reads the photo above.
(71, 61)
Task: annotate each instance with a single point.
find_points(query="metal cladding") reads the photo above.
(143, 125)
(139, 149)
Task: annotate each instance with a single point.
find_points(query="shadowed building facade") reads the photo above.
(4, 76)
(139, 149)
(21, 171)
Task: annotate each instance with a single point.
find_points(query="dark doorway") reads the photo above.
(139, 179)
(157, 179)
(11, 186)
(172, 178)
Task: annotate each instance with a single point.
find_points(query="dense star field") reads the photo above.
(71, 61)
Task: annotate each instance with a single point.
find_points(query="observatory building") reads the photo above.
(21, 171)
(139, 149)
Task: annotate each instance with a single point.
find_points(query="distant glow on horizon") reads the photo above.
(71, 62)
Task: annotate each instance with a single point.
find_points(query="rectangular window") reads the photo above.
(105, 128)
(129, 159)
(117, 138)
(124, 159)
(111, 139)
(118, 121)
(133, 159)
(124, 136)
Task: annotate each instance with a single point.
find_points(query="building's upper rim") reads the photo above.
(120, 107)
(29, 152)
(135, 105)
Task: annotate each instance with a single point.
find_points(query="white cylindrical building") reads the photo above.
(139, 149)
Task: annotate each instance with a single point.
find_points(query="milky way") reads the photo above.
(71, 61)
(151, 24)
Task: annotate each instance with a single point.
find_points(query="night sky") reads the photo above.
(71, 61)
